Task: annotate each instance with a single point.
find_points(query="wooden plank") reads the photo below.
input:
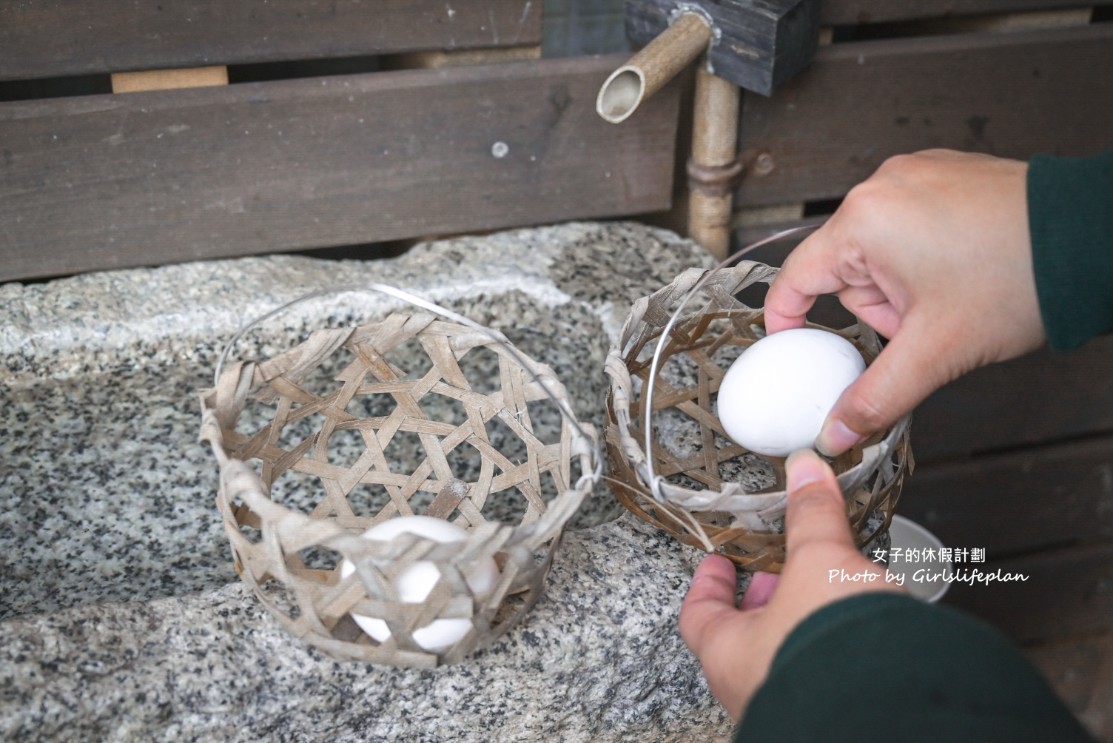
(438, 59)
(1042, 397)
(1012, 22)
(762, 217)
(189, 77)
(850, 12)
(71, 37)
(1006, 94)
(1033, 499)
(145, 178)
(1067, 592)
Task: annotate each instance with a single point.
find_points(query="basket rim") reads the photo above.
(239, 475)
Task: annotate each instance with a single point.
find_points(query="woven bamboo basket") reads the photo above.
(413, 414)
(693, 481)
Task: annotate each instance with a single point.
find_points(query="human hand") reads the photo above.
(933, 252)
(736, 646)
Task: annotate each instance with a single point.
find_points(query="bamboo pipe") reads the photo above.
(648, 70)
(713, 167)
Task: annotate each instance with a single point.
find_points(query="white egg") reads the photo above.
(417, 581)
(775, 396)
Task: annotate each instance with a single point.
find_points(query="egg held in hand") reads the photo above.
(775, 396)
(417, 581)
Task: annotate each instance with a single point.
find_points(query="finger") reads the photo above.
(810, 270)
(869, 304)
(710, 600)
(909, 369)
(816, 511)
(761, 588)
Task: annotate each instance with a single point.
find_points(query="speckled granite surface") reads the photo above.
(120, 615)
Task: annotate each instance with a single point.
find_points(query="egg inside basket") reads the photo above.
(690, 478)
(414, 414)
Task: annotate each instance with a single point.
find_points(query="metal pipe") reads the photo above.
(647, 71)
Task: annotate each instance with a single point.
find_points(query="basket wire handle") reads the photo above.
(651, 383)
(400, 294)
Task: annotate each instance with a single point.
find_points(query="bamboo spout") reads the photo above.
(647, 71)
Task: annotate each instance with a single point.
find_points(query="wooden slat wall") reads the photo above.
(119, 180)
(49, 38)
(860, 102)
(143, 178)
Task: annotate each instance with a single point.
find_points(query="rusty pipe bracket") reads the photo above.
(682, 8)
(715, 180)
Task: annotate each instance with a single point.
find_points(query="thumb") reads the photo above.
(816, 509)
(709, 602)
(904, 373)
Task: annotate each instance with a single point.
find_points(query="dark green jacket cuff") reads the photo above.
(1070, 218)
(886, 667)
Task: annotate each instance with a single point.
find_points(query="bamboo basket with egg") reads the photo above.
(692, 479)
(433, 469)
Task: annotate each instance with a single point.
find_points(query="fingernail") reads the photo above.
(803, 468)
(835, 438)
(714, 561)
(760, 591)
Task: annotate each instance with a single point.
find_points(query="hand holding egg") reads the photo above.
(775, 396)
(415, 583)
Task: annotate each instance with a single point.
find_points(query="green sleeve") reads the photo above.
(886, 667)
(1070, 218)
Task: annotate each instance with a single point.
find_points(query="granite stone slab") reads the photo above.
(121, 617)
